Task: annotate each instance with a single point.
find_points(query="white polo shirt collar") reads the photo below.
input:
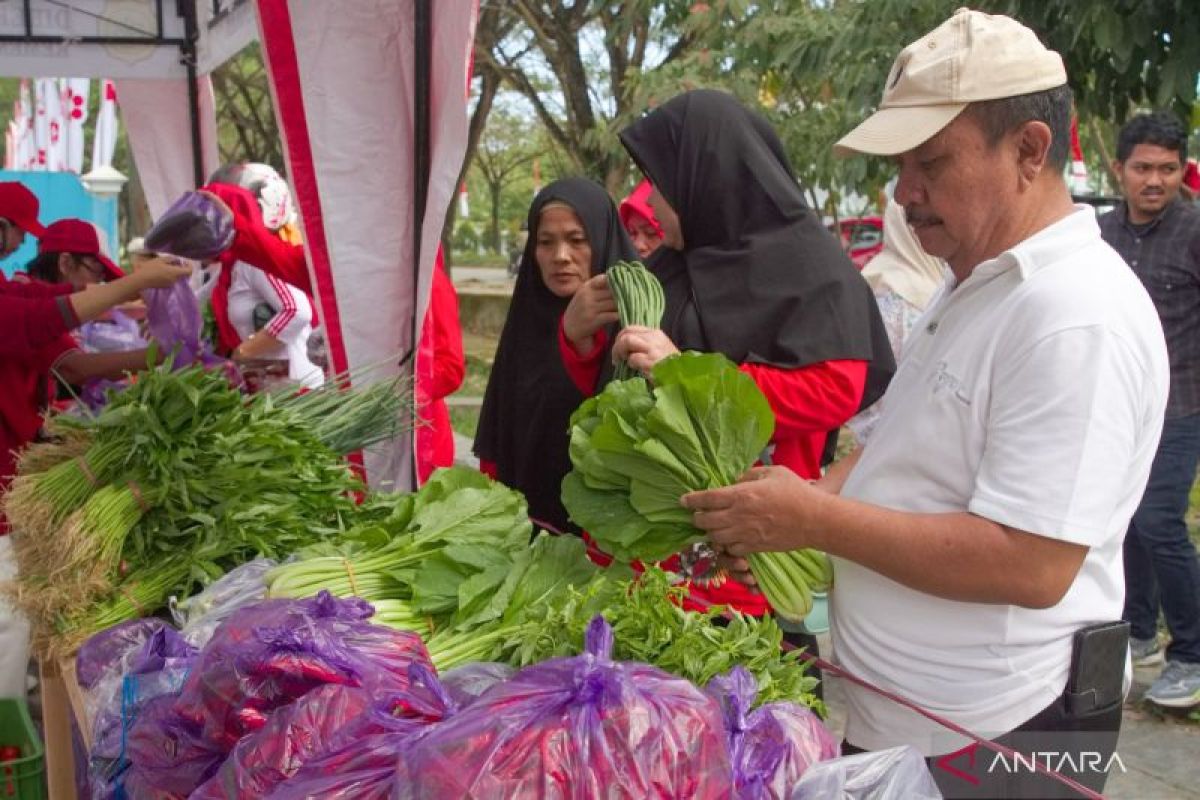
(1047, 246)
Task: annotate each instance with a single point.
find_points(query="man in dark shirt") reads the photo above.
(1158, 234)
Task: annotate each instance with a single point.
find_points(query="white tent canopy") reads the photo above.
(370, 96)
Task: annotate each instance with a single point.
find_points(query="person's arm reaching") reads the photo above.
(154, 273)
(77, 367)
(956, 556)
(28, 323)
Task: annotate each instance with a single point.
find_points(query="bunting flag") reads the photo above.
(42, 88)
(75, 93)
(104, 138)
(23, 115)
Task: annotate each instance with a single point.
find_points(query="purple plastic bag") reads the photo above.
(116, 334)
(168, 757)
(579, 727)
(269, 654)
(173, 320)
(319, 723)
(195, 227)
(158, 668)
(464, 684)
(771, 746)
(112, 648)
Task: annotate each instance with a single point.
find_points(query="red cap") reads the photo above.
(19, 206)
(78, 237)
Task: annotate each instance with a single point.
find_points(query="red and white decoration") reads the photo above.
(104, 137)
(75, 93)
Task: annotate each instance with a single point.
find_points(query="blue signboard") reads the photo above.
(62, 195)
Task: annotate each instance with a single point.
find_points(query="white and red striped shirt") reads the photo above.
(291, 324)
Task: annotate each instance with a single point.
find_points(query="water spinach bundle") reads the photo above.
(637, 448)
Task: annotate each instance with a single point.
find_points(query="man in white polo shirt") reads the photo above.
(980, 527)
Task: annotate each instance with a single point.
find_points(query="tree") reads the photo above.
(507, 145)
(817, 67)
(578, 65)
(246, 125)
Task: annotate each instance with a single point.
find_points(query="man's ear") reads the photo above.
(1033, 141)
(64, 265)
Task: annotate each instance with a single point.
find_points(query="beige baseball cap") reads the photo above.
(970, 57)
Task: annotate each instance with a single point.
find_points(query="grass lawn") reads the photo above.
(479, 351)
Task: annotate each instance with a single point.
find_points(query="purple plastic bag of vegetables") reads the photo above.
(771, 746)
(195, 226)
(168, 757)
(158, 668)
(269, 654)
(578, 728)
(112, 649)
(331, 720)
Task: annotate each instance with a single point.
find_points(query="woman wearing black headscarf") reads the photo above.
(750, 272)
(574, 235)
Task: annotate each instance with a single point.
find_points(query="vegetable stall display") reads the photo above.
(639, 446)
(182, 477)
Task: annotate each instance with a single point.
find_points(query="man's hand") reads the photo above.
(643, 347)
(770, 509)
(590, 309)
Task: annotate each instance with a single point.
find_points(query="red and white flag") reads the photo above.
(75, 111)
(49, 126)
(23, 116)
(42, 89)
(104, 138)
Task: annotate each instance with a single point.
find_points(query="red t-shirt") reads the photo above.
(25, 378)
(440, 371)
(808, 402)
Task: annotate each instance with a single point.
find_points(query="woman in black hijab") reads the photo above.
(574, 235)
(750, 272)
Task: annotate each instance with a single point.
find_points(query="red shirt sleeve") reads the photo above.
(583, 370)
(816, 398)
(488, 468)
(256, 244)
(27, 324)
(449, 366)
(35, 289)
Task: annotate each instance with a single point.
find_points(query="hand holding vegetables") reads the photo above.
(767, 510)
(592, 307)
(643, 347)
(637, 449)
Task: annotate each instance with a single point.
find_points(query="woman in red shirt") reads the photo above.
(748, 271)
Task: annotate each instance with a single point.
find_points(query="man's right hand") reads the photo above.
(592, 307)
(160, 272)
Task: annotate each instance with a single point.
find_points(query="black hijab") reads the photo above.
(529, 399)
(760, 279)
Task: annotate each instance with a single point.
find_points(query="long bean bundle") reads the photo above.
(639, 298)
